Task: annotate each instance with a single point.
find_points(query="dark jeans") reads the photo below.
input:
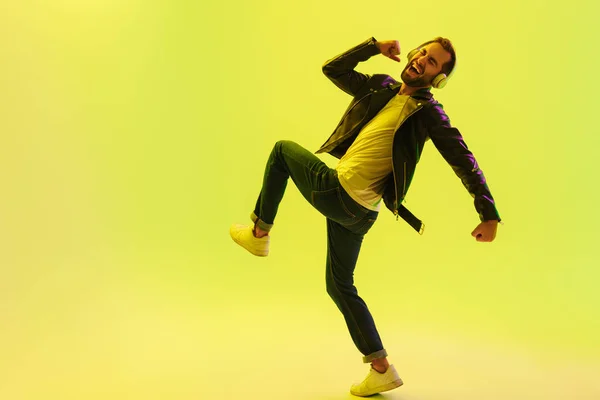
(347, 223)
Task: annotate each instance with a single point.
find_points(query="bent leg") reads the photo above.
(287, 160)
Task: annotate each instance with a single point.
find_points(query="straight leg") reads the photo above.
(343, 247)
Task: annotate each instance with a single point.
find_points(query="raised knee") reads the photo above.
(281, 143)
(277, 147)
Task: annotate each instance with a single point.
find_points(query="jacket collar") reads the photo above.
(424, 93)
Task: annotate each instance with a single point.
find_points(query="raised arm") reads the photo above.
(340, 69)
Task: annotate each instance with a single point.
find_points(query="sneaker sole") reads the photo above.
(383, 388)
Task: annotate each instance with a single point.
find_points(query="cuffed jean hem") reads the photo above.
(261, 224)
(373, 356)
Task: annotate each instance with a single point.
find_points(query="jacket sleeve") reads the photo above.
(340, 69)
(453, 148)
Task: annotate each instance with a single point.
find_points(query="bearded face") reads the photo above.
(415, 75)
(424, 66)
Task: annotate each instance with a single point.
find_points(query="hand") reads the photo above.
(485, 231)
(390, 49)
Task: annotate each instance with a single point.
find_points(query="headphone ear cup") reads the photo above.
(439, 81)
(411, 54)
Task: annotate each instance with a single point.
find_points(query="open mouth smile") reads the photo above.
(414, 69)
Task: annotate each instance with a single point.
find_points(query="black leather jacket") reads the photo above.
(421, 119)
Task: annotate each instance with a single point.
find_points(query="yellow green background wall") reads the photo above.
(132, 134)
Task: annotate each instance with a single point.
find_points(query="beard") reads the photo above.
(414, 80)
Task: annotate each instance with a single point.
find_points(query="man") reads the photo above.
(379, 142)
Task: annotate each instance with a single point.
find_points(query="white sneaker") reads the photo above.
(242, 235)
(376, 382)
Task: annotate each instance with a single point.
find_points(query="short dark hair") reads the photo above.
(447, 45)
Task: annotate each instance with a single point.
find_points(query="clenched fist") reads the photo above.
(390, 49)
(485, 231)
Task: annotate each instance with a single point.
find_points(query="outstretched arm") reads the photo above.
(455, 151)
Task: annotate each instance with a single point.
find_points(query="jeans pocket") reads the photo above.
(329, 203)
(366, 225)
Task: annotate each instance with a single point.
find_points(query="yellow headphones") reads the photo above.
(441, 79)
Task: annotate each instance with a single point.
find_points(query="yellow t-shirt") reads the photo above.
(363, 170)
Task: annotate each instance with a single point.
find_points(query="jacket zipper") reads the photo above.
(394, 171)
(404, 182)
(396, 205)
